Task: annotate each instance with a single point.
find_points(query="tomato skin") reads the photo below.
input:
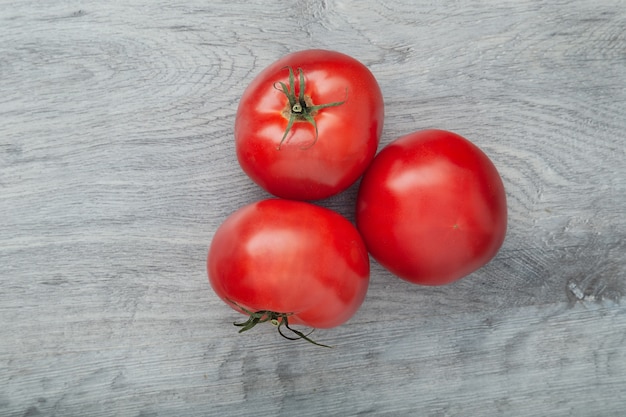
(304, 167)
(432, 208)
(290, 257)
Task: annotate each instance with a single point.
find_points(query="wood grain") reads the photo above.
(117, 165)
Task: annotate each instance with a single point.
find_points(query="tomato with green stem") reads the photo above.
(289, 262)
(432, 207)
(308, 125)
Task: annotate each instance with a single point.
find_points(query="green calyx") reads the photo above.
(300, 107)
(280, 320)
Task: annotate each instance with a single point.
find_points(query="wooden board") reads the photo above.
(117, 165)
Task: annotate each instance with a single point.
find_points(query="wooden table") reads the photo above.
(117, 165)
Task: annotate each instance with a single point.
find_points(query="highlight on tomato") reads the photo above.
(308, 125)
(289, 262)
(431, 208)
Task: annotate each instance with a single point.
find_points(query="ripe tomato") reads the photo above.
(432, 208)
(308, 126)
(289, 262)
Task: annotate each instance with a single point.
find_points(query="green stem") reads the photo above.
(300, 108)
(279, 320)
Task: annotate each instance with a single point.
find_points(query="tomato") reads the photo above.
(432, 208)
(308, 125)
(289, 262)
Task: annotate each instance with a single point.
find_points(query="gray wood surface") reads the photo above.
(117, 165)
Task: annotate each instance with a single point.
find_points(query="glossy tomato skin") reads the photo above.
(304, 167)
(290, 257)
(432, 208)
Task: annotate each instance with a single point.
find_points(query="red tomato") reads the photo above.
(289, 260)
(308, 126)
(432, 208)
